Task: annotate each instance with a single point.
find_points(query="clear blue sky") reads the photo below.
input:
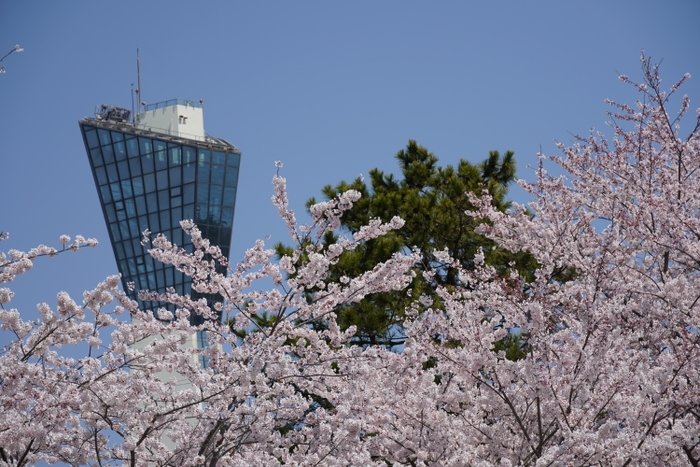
(332, 89)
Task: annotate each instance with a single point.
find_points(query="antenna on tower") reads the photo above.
(138, 74)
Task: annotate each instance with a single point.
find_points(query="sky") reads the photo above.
(331, 89)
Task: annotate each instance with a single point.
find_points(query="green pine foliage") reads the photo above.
(432, 200)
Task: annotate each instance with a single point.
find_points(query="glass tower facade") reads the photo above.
(152, 178)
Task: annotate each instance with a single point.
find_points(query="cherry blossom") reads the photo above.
(607, 327)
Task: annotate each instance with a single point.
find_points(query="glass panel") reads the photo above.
(108, 153)
(134, 228)
(175, 176)
(137, 183)
(135, 167)
(120, 150)
(123, 265)
(124, 229)
(175, 158)
(188, 173)
(146, 145)
(123, 169)
(128, 249)
(218, 158)
(116, 191)
(215, 193)
(163, 200)
(203, 230)
(176, 217)
(188, 212)
(153, 222)
(161, 157)
(143, 224)
(233, 160)
(112, 174)
(165, 220)
(176, 201)
(147, 163)
(229, 196)
(111, 215)
(101, 175)
(104, 137)
(177, 239)
(114, 227)
(189, 155)
(152, 280)
(162, 179)
(117, 136)
(96, 156)
(141, 205)
(203, 171)
(121, 213)
(91, 136)
(138, 252)
(204, 156)
(213, 235)
(217, 174)
(152, 202)
(202, 214)
(188, 193)
(132, 266)
(132, 147)
(126, 189)
(227, 217)
(106, 194)
(203, 193)
(231, 176)
(122, 257)
(130, 207)
(225, 237)
(149, 183)
(214, 215)
(175, 191)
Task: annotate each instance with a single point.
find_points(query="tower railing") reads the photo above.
(172, 102)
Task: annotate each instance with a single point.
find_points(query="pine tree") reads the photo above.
(433, 201)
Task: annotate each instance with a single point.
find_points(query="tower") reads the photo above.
(153, 172)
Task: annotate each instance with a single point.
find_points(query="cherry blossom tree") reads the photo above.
(611, 375)
(608, 326)
(270, 394)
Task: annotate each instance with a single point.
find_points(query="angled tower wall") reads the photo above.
(149, 177)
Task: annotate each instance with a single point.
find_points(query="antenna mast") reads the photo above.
(138, 73)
